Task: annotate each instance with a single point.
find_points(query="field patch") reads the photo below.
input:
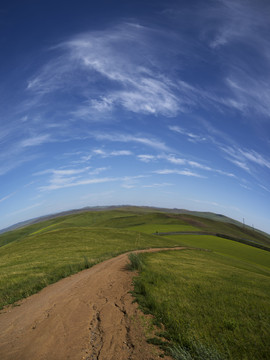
(211, 308)
(36, 260)
(163, 228)
(246, 256)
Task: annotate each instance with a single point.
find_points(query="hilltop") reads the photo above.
(205, 222)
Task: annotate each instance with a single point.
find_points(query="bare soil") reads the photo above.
(90, 316)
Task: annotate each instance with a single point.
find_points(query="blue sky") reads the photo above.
(163, 103)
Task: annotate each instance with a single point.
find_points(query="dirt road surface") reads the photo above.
(89, 315)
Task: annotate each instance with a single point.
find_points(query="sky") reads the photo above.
(155, 103)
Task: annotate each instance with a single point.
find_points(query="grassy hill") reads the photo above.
(127, 216)
(212, 303)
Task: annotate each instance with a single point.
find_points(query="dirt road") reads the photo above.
(88, 316)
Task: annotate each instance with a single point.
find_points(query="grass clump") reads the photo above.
(195, 351)
(210, 307)
(135, 262)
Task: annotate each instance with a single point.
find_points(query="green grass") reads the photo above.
(135, 262)
(247, 256)
(135, 219)
(161, 228)
(214, 304)
(213, 226)
(36, 260)
(84, 219)
(210, 306)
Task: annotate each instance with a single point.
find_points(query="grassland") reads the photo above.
(214, 304)
(210, 306)
(40, 254)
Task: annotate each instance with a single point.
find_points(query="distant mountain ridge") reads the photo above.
(203, 214)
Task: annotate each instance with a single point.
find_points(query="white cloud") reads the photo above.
(146, 158)
(72, 182)
(36, 141)
(121, 153)
(157, 185)
(173, 159)
(245, 187)
(250, 92)
(244, 158)
(238, 21)
(178, 172)
(7, 197)
(118, 79)
(130, 182)
(97, 171)
(264, 188)
(189, 135)
(14, 161)
(256, 158)
(102, 56)
(30, 207)
(215, 204)
(62, 172)
(85, 158)
(104, 153)
(63, 178)
(118, 137)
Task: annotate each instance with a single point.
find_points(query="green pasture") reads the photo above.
(161, 228)
(247, 256)
(84, 219)
(43, 257)
(210, 306)
(134, 219)
(213, 302)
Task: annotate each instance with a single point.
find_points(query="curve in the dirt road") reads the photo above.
(90, 315)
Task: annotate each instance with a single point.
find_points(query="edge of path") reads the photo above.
(90, 315)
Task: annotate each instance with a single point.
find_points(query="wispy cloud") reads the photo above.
(7, 197)
(72, 182)
(102, 54)
(105, 153)
(130, 182)
(178, 172)
(107, 78)
(215, 204)
(173, 159)
(265, 188)
(243, 25)
(25, 209)
(64, 178)
(117, 79)
(126, 138)
(62, 172)
(36, 141)
(191, 136)
(244, 158)
(238, 21)
(157, 185)
(146, 158)
(15, 160)
(256, 158)
(67, 178)
(245, 187)
(249, 92)
(97, 171)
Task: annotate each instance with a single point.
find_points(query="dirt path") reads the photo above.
(88, 316)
